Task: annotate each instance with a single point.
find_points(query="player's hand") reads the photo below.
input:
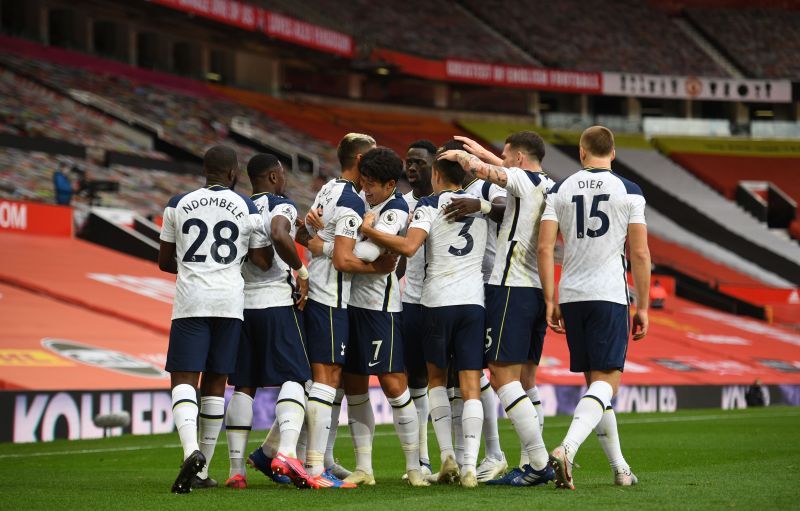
(302, 288)
(385, 263)
(554, 319)
(315, 246)
(461, 207)
(369, 220)
(314, 219)
(456, 155)
(478, 150)
(640, 324)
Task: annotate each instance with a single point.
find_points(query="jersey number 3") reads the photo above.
(580, 215)
(191, 255)
(464, 233)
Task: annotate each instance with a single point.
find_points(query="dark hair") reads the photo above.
(220, 160)
(528, 142)
(381, 164)
(424, 144)
(351, 146)
(260, 165)
(452, 170)
(597, 141)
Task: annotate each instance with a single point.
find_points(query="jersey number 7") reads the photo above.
(580, 215)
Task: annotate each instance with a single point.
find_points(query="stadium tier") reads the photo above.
(404, 25)
(598, 35)
(763, 40)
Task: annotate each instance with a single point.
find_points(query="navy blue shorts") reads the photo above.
(515, 324)
(455, 333)
(413, 338)
(376, 342)
(327, 333)
(198, 345)
(597, 335)
(272, 350)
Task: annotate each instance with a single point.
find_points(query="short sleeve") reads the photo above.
(347, 225)
(258, 234)
(550, 208)
(517, 182)
(636, 205)
(168, 225)
(392, 221)
(496, 192)
(286, 210)
(423, 217)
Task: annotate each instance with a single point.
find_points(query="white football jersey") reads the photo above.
(341, 208)
(274, 287)
(415, 265)
(593, 208)
(515, 264)
(453, 253)
(212, 228)
(374, 291)
(487, 191)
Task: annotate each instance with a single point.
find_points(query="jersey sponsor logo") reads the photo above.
(103, 358)
(373, 364)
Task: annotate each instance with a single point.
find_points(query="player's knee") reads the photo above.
(393, 384)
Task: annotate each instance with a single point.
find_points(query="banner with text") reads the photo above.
(692, 87)
(249, 17)
(523, 77)
(35, 218)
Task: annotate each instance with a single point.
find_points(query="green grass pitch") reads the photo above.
(745, 459)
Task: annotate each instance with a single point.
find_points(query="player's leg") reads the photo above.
(600, 349)
(222, 356)
(491, 435)
(468, 344)
(438, 326)
(287, 364)
(608, 436)
(189, 341)
(528, 380)
(494, 462)
(456, 412)
(245, 379)
(404, 416)
(361, 421)
(388, 364)
(328, 331)
(330, 463)
(238, 423)
(417, 376)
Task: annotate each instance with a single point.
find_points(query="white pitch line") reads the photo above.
(622, 421)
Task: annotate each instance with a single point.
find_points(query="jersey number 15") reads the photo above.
(580, 215)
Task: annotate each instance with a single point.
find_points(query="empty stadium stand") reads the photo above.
(408, 26)
(763, 40)
(598, 35)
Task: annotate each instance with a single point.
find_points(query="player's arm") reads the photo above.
(280, 231)
(477, 168)
(166, 257)
(479, 151)
(344, 260)
(167, 250)
(261, 257)
(461, 207)
(548, 233)
(640, 269)
(404, 245)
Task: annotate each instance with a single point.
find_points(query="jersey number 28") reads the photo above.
(191, 255)
(580, 215)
